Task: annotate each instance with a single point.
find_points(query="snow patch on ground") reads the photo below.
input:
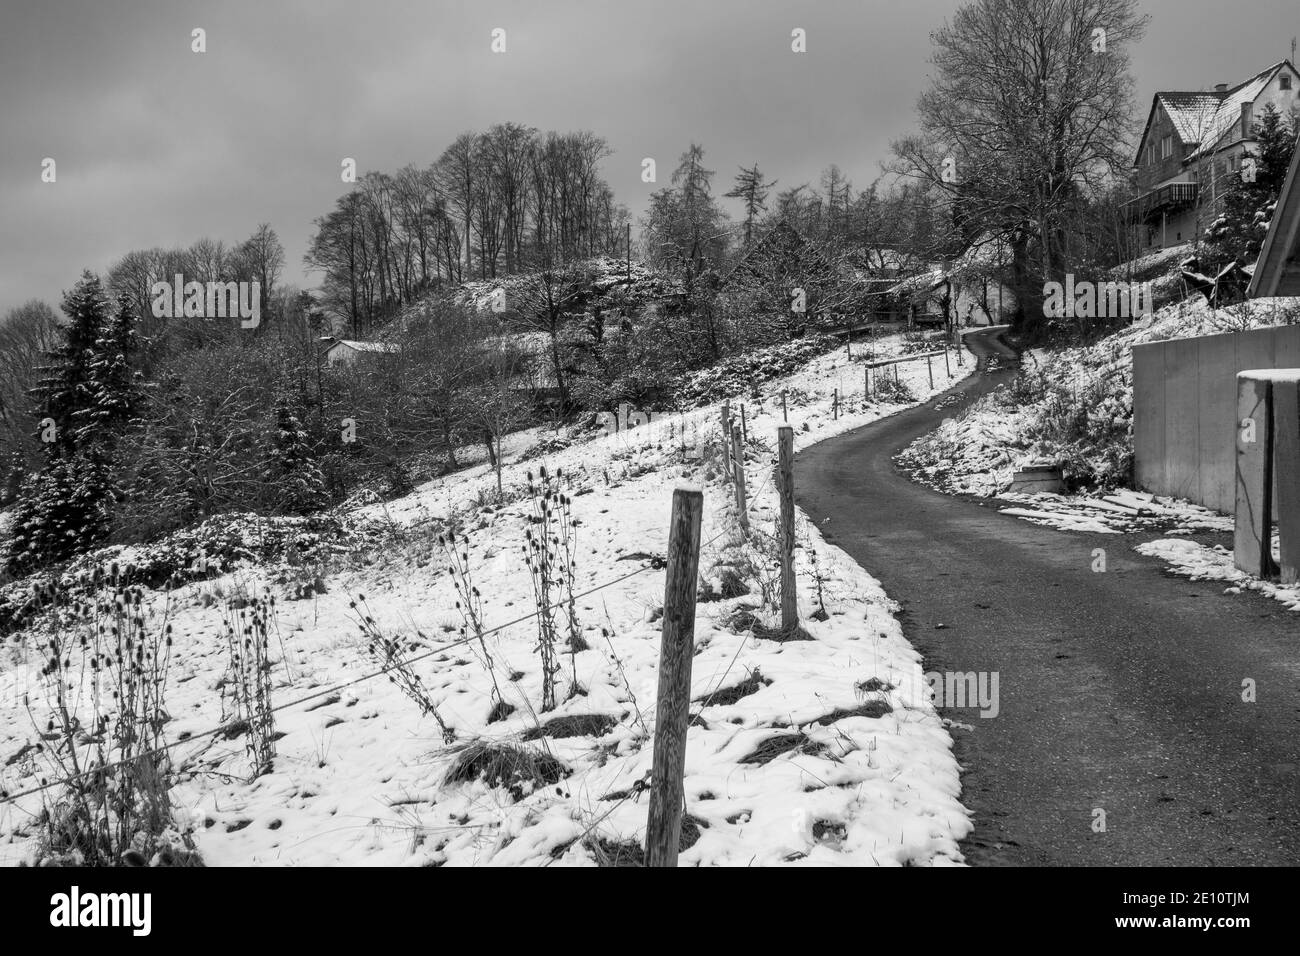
(1205, 563)
(1120, 511)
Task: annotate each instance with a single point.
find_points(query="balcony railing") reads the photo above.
(1165, 198)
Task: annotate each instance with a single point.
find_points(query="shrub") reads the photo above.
(886, 389)
(104, 683)
(549, 550)
(391, 654)
(246, 687)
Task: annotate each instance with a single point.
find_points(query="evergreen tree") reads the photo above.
(62, 510)
(291, 469)
(90, 393)
(64, 393)
(115, 388)
(1238, 233)
(13, 478)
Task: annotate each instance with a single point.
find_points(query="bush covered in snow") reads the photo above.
(220, 543)
(740, 374)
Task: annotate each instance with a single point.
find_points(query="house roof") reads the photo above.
(984, 256)
(1202, 118)
(920, 285)
(1281, 251)
(1191, 113)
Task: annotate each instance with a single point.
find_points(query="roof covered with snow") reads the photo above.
(920, 284)
(1202, 118)
(1191, 113)
(369, 346)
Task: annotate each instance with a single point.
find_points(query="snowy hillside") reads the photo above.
(824, 750)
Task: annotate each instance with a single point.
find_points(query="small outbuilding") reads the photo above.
(347, 351)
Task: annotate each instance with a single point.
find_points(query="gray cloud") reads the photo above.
(156, 145)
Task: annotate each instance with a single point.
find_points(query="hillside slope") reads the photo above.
(820, 751)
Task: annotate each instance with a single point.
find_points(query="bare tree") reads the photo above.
(1026, 112)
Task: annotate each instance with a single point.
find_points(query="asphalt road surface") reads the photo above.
(1118, 691)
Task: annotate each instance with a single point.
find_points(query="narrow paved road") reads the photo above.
(1119, 690)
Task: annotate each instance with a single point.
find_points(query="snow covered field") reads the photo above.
(819, 751)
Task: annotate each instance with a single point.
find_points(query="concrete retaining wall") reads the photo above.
(1185, 409)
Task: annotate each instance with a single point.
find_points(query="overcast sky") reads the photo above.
(158, 146)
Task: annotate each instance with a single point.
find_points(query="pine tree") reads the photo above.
(64, 393)
(62, 510)
(14, 478)
(1276, 138)
(291, 469)
(90, 393)
(115, 388)
(1238, 233)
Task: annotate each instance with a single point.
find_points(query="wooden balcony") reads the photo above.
(1167, 198)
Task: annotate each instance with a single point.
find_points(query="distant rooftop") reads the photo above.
(368, 346)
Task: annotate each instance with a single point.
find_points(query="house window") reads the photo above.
(1284, 81)
(1166, 147)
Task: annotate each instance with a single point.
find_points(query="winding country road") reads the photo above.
(1119, 690)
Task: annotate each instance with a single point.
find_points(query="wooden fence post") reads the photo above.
(947, 366)
(929, 367)
(785, 488)
(835, 403)
(784, 416)
(738, 464)
(726, 441)
(672, 710)
(744, 429)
